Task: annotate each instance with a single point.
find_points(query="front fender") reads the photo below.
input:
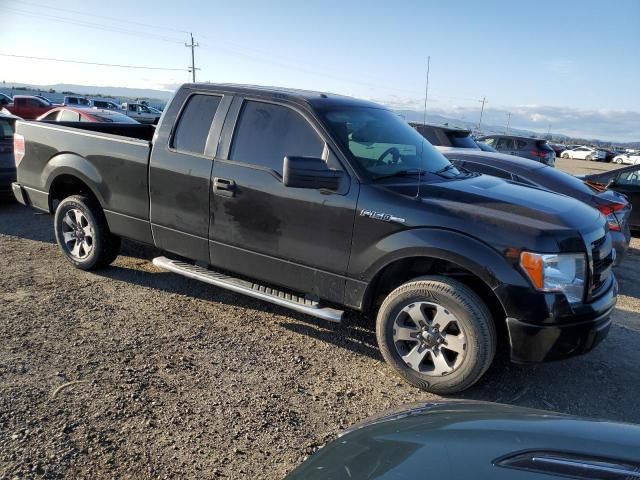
(493, 268)
(78, 167)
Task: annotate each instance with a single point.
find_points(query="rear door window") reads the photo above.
(266, 133)
(51, 117)
(195, 122)
(521, 144)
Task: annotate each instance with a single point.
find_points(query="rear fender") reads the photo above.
(78, 167)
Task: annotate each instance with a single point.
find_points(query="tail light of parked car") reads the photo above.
(610, 211)
(18, 148)
(540, 153)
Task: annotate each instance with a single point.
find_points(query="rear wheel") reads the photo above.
(589, 158)
(83, 234)
(618, 160)
(437, 334)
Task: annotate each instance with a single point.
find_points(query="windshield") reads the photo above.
(383, 144)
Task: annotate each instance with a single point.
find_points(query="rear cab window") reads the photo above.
(266, 133)
(192, 129)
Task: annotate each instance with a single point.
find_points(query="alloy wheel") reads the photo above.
(429, 338)
(78, 234)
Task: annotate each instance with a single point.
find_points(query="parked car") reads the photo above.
(320, 203)
(477, 440)
(66, 114)
(445, 137)
(612, 205)
(29, 107)
(558, 148)
(104, 105)
(72, 101)
(584, 153)
(628, 158)
(625, 180)
(526, 147)
(5, 100)
(7, 163)
(141, 113)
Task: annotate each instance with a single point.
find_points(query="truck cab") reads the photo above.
(29, 107)
(322, 203)
(140, 112)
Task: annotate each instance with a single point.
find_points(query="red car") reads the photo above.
(70, 114)
(29, 107)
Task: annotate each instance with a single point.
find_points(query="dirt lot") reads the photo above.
(175, 379)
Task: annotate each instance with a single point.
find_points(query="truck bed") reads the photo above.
(111, 158)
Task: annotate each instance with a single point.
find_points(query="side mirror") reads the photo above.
(308, 172)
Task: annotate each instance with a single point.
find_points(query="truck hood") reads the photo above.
(486, 198)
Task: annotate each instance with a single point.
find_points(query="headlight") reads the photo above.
(557, 272)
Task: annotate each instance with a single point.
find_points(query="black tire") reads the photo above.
(458, 301)
(103, 247)
(565, 155)
(589, 158)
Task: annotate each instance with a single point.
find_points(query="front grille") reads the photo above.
(602, 261)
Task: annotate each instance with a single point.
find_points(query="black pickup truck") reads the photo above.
(322, 203)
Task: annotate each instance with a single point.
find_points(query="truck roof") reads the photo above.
(309, 97)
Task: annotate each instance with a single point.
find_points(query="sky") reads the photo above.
(574, 65)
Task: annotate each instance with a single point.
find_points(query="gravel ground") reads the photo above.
(137, 373)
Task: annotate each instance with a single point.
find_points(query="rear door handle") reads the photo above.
(223, 186)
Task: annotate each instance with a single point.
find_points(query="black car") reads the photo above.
(612, 205)
(625, 181)
(526, 147)
(558, 148)
(476, 440)
(7, 162)
(446, 136)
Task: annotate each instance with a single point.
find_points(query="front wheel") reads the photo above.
(83, 234)
(565, 155)
(618, 161)
(437, 334)
(589, 158)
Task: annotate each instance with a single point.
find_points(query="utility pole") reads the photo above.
(193, 57)
(508, 121)
(426, 91)
(483, 101)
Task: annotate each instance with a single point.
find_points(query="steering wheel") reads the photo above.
(391, 150)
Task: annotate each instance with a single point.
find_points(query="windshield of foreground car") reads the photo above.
(384, 145)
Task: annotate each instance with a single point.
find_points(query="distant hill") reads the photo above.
(95, 91)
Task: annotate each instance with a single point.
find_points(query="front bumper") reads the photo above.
(533, 343)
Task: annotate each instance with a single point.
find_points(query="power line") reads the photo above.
(193, 46)
(93, 63)
(93, 15)
(95, 26)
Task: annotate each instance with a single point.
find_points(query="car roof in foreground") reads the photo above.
(314, 98)
(482, 436)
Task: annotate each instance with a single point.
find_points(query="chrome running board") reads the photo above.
(252, 289)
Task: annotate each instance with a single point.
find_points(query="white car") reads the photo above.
(584, 153)
(630, 158)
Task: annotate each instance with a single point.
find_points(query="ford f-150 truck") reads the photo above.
(323, 203)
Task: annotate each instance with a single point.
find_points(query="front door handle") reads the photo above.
(223, 186)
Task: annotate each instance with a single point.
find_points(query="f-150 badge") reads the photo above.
(385, 217)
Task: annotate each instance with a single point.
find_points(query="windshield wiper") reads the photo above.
(401, 173)
(445, 169)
